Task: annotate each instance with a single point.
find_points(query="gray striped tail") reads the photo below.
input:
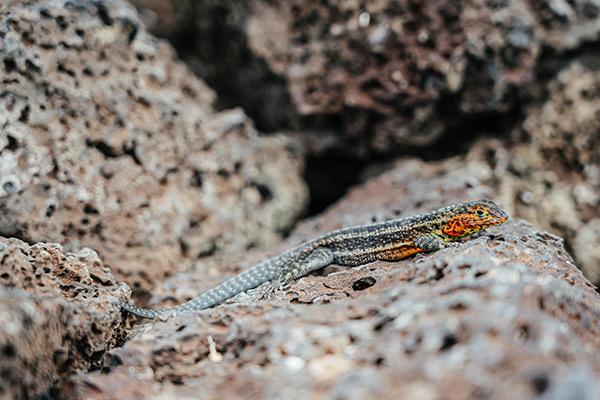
(249, 279)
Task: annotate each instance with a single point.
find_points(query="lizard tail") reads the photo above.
(248, 279)
(142, 312)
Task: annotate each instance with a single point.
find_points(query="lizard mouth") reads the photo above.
(496, 217)
(500, 217)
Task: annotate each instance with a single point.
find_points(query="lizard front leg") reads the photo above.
(318, 259)
(424, 243)
(431, 243)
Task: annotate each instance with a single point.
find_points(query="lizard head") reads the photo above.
(472, 217)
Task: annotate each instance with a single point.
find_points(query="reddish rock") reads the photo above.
(58, 315)
(507, 312)
(109, 142)
(405, 70)
(386, 76)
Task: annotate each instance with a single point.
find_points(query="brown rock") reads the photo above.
(565, 127)
(507, 312)
(385, 75)
(109, 142)
(57, 315)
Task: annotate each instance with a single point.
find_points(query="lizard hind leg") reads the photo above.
(144, 312)
(319, 258)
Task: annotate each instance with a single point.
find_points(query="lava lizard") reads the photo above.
(387, 241)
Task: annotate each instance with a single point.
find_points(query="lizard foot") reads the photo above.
(164, 317)
(270, 289)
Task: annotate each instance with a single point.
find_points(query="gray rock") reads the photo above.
(58, 315)
(109, 142)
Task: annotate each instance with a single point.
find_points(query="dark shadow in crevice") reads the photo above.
(331, 174)
(328, 177)
(214, 46)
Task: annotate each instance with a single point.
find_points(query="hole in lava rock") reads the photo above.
(12, 143)
(24, 116)
(449, 341)
(10, 186)
(523, 332)
(10, 65)
(265, 192)
(540, 383)
(9, 351)
(364, 283)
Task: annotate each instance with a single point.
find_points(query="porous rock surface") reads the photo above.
(57, 315)
(505, 314)
(559, 175)
(384, 75)
(109, 142)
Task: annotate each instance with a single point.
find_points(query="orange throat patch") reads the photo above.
(459, 225)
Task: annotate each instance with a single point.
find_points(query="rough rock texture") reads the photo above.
(385, 75)
(109, 142)
(507, 312)
(210, 37)
(57, 315)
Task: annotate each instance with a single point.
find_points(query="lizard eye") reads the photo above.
(479, 213)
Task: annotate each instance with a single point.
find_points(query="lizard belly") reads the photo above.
(354, 260)
(371, 254)
(398, 253)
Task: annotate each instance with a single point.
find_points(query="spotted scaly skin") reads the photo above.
(387, 241)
